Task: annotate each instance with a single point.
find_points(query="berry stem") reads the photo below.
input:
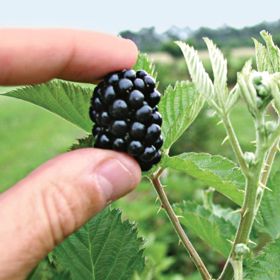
(178, 228)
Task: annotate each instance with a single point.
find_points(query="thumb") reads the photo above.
(55, 200)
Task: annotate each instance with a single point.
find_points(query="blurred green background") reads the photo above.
(30, 135)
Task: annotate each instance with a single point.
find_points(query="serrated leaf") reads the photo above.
(233, 97)
(246, 87)
(213, 230)
(105, 248)
(67, 100)
(215, 171)
(262, 59)
(86, 142)
(272, 50)
(268, 56)
(144, 63)
(179, 107)
(275, 91)
(268, 219)
(219, 66)
(197, 72)
(226, 213)
(46, 271)
(266, 265)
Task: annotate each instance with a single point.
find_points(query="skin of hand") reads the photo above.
(57, 198)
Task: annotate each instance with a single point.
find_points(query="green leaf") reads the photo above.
(247, 89)
(266, 265)
(267, 57)
(144, 63)
(226, 213)
(219, 66)
(197, 72)
(86, 142)
(215, 171)
(47, 271)
(268, 219)
(262, 59)
(213, 230)
(179, 107)
(68, 100)
(105, 248)
(223, 97)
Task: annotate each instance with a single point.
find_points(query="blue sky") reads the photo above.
(114, 16)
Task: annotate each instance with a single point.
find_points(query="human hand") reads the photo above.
(61, 195)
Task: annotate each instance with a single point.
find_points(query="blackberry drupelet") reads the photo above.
(125, 112)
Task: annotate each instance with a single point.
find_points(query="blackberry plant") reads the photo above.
(125, 112)
(129, 116)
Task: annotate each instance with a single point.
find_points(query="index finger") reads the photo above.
(33, 56)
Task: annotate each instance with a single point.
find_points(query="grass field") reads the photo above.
(29, 136)
(237, 53)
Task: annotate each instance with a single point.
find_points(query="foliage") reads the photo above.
(60, 98)
(108, 247)
(104, 248)
(266, 265)
(226, 37)
(268, 220)
(215, 171)
(232, 37)
(146, 39)
(179, 106)
(215, 231)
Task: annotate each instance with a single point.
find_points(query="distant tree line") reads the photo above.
(148, 40)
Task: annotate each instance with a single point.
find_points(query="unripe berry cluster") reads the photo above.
(125, 112)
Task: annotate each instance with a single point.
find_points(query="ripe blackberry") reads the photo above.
(136, 99)
(137, 130)
(125, 112)
(119, 128)
(119, 144)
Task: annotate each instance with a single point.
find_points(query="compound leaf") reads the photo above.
(179, 107)
(266, 265)
(67, 100)
(268, 219)
(215, 171)
(215, 231)
(105, 248)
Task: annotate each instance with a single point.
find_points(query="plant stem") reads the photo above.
(249, 207)
(238, 269)
(178, 228)
(235, 144)
(268, 162)
(266, 171)
(248, 210)
(246, 222)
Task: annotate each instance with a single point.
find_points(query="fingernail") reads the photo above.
(116, 177)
